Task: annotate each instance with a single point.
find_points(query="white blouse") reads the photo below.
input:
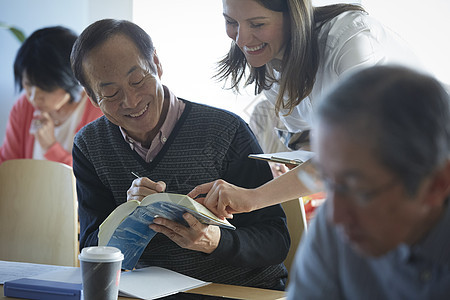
(347, 43)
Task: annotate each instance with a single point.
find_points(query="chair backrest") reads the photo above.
(38, 212)
(296, 222)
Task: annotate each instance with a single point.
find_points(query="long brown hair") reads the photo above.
(301, 57)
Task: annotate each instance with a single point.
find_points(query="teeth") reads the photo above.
(252, 49)
(139, 113)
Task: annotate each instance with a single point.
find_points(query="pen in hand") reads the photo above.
(161, 184)
(198, 196)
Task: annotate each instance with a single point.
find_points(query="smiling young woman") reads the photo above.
(294, 53)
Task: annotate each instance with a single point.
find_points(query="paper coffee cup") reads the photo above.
(100, 272)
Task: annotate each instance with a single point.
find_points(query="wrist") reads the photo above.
(213, 240)
(257, 199)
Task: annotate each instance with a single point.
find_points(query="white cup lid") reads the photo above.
(100, 254)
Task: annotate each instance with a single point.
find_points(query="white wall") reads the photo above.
(424, 25)
(30, 15)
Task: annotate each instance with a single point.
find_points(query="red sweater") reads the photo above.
(19, 143)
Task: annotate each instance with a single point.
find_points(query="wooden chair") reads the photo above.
(38, 212)
(296, 222)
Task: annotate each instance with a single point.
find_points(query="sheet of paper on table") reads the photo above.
(14, 270)
(153, 282)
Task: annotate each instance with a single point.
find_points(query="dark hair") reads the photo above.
(405, 115)
(45, 58)
(100, 31)
(301, 57)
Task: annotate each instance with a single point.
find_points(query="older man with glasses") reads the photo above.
(382, 144)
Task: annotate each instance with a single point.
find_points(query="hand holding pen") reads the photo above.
(143, 186)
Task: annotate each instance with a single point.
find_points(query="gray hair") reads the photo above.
(404, 114)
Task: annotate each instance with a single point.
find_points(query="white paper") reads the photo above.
(72, 275)
(155, 282)
(15, 270)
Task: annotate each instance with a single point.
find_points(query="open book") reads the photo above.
(291, 157)
(127, 227)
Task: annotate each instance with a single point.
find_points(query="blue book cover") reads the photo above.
(127, 227)
(29, 288)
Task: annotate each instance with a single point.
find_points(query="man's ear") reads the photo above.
(159, 68)
(439, 189)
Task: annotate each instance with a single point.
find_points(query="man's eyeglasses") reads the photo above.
(360, 196)
(316, 183)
